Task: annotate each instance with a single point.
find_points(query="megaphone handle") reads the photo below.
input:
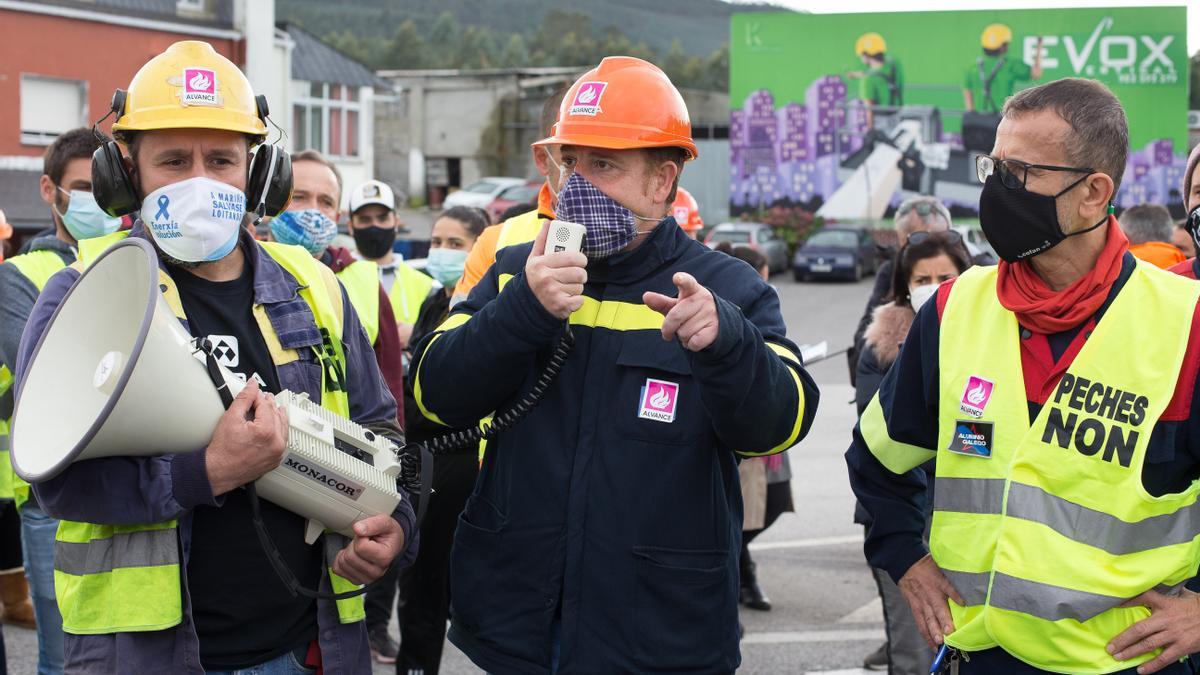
(276, 558)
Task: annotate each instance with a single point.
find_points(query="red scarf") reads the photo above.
(1045, 311)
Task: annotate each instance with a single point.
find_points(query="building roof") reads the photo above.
(315, 61)
(214, 13)
(21, 200)
(537, 71)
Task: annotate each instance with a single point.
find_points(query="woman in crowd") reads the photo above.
(927, 260)
(766, 481)
(425, 587)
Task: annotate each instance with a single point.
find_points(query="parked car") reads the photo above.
(481, 192)
(977, 245)
(511, 196)
(841, 252)
(752, 235)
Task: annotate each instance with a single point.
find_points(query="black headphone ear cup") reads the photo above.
(111, 184)
(269, 183)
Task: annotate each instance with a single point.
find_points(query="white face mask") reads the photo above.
(196, 220)
(920, 295)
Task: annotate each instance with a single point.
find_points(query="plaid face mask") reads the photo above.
(610, 226)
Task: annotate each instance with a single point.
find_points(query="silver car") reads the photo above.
(760, 237)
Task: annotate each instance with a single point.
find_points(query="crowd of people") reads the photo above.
(1027, 490)
(151, 563)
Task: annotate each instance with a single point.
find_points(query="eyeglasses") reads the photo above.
(922, 209)
(953, 237)
(1014, 172)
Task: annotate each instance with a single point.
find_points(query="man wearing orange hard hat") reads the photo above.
(604, 530)
(687, 213)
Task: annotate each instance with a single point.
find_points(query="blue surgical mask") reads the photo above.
(308, 228)
(446, 265)
(610, 226)
(84, 219)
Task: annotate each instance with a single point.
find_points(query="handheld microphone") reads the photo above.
(564, 236)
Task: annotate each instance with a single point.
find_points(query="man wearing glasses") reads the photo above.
(920, 214)
(1064, 513)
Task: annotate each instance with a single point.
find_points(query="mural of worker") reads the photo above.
(882, 83)
(994, 75)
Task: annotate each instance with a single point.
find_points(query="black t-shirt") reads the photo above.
(244, 614)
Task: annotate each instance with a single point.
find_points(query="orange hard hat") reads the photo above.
(686, 211)
(621, 104)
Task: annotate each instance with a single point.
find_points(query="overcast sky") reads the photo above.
(847, 6)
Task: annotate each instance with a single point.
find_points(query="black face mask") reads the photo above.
(1020, 224)
(374, 242)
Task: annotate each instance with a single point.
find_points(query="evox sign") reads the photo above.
(1129, 59)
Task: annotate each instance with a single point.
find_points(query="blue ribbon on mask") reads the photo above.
(163, 201)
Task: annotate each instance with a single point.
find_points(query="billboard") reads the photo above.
(845, 114)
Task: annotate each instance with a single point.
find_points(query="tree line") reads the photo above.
(563, 38)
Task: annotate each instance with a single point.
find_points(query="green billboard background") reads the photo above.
(1140, 53)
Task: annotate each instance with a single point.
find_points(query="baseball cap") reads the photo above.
(372, 192)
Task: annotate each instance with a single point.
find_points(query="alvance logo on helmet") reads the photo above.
(199, 87)
(587, 99)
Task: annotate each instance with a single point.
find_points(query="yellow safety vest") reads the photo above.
(361, 280)
(1045, 538)
(519, 229)
(126, 578)
(38, 267)
(408, 292)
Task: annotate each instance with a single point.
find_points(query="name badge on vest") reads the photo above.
(976, 395)
(972, 438)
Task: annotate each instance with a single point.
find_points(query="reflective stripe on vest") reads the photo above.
(519, 229)
(1047, 536)
(37, 267)
(126, 578)
(408, 292)
(361, 280)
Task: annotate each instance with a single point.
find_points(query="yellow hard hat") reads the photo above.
(870, 43)
(995, 36)
(190, 86)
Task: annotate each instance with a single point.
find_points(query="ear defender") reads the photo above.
(269, 186)
(269, 183)
(111, 184)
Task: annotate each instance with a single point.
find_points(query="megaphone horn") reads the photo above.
(113, 374)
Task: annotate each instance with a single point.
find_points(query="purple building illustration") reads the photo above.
(1153, 175)
(792, 152)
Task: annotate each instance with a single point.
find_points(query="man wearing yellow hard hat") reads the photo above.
(882, 83)
(604, 529)
(994, 75)
(157, 565)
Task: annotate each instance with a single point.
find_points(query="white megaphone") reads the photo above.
(115, 374)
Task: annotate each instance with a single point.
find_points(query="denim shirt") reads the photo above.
(132, 490)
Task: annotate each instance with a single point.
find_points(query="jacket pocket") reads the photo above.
(498, 582)
(653, 394)
(684, 610)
